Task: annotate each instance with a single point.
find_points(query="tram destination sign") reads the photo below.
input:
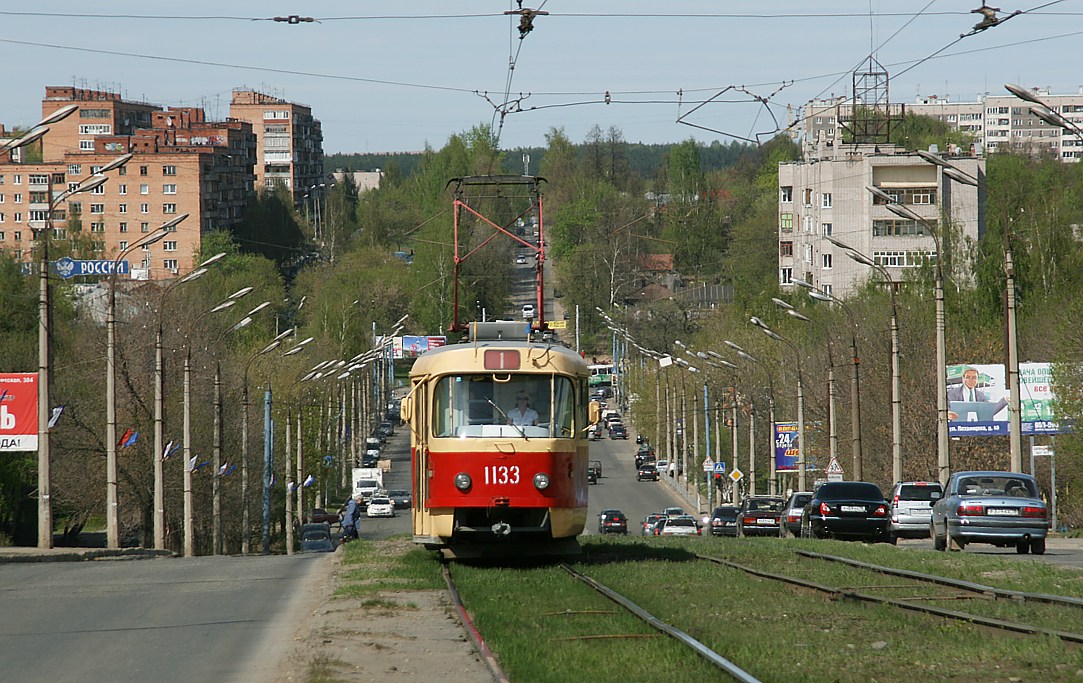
(69, 267)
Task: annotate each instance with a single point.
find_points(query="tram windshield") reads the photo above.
(503, 406)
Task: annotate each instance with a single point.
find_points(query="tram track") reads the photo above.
(975, 593)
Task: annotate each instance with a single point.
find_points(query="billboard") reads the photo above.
(18, 411)
(412, 347)
(786, 447)
(978, 400)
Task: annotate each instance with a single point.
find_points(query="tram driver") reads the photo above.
(522, 415)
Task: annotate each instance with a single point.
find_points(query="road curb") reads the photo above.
(22, 554)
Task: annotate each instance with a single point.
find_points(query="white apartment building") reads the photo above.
(825, 196)
(999, 122)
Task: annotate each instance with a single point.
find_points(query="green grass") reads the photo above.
(374, 570)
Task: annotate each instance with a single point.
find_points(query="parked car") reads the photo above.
(401, 498)
(846, 509)
(1000, 508)
(520, 259)
(612, 521)
(528, 311)
(316, 538)
(592, 476)
(760, 516)
(595, 465)
(647, 471)
(647, 527)
(617, 431)
(321, 516)
(791, 515)
(724, 520)
(387, 428)
(911, 508)
(678, 526)
(380, 506)
(370, 459)
(640, 439)
(674, 512)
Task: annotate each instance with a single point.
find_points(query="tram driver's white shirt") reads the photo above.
(523, 418)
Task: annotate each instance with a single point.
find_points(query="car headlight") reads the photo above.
(541, 481)
(463, 481)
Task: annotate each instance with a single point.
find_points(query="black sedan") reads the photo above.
(401, 498)
(612, 521)
(1000, 508)
(617, 431)
(847, 509)
(724, 520)
(647, 472)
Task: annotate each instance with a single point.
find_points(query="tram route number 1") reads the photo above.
(502, 474)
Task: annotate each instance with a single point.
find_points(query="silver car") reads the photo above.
(1000, 508)
(911, 507)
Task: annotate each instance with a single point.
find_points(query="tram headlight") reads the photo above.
(541, 481)
(463, 481)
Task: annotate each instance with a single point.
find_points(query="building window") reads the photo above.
(123, 170)
(97, 208)
(142, 170)
(785, 249)
(785, 276)
(18, 235)
(899, 227)
(144, 189)
(826, 289)
(122, 208)
(39, 178)
(825, 229)
(170, 264)
(786, 195)
(808, 196)
(785, 222)
(144, 208)
(99, 189)
(169, 170)
(18, 197)
(826, 259)
(169, 189)
(144, 227)
(123, 245)
(37, 215)
(169, 246)
(17, 179)
(169, 208)
(808, 253)
(122, 189)
(825, 200)
(808, 224)
(124, 226)
(97, 227)
(86, 145)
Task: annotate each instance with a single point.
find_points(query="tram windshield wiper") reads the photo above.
(509, 420)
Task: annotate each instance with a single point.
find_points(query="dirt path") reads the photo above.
(393, 637)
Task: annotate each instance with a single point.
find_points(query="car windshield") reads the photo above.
(918, 492)
(380, 501)
(725, 513)
(680, 521)
(1011, 485)
(484, 406)
(849, 490)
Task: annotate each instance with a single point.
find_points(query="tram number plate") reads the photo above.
(1008, 512)
(502, 474)
(853, 508)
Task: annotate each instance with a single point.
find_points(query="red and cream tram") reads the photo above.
(499, 444)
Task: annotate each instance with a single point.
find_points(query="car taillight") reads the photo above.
(1033, 511)
(749, 520)
(880, 511)
(970, 510)
(895, 500)
(699, 532)
(825, 509)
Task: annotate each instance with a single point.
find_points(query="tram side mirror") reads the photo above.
(594, 412)
(406, 409)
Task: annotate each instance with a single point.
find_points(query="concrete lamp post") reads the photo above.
(801, 465)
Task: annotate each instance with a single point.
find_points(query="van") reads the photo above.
(911, 508)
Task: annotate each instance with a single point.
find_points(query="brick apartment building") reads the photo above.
(290, 141)
(182, 164)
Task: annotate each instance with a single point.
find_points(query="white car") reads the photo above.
(520, 259)
(528, 311)
(380, 507)
(679, 526)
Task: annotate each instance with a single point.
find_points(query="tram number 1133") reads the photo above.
(502, 474)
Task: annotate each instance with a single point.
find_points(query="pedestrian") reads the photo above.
(351, 518)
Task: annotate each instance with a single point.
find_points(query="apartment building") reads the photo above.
(825, 195)
(182, 164)
(289, 140)
(998, 122)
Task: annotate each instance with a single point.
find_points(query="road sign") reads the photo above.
(720, 467)
(69, 267)
(736, 475)
(708, 465)
(834, 470)
(557, 324)
(1041, 450)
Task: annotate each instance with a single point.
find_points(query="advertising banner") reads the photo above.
(978, 400)
(786, 447)
(412, 347)
(18, 411)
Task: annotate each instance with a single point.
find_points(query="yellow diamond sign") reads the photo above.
(736, 474)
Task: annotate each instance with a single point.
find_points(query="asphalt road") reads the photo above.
(195, 619)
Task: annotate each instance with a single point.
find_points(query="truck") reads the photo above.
(367, 481)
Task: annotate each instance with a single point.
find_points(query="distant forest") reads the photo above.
(644, 160)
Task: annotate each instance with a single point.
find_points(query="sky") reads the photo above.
(400, 76)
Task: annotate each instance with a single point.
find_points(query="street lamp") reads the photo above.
(112, 527)
(896, 397)
(855, 389)
(943, 462)
(159, 401)
(801, 465)
(744, 355)
(1042, 110)
(45, 510)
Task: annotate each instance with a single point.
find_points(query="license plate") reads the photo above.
(1003, 512)
(766, 521)
(853, 508)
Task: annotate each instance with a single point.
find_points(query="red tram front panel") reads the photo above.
(506, 479)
